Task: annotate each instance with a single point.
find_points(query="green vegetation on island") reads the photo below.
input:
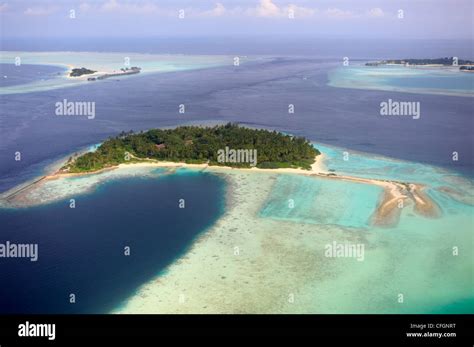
(81, 71)
(198, 145)
(447, 61)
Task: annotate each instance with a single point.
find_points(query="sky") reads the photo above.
(391, 19)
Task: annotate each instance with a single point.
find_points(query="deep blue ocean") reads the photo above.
(11, 75)
(81, 250)
(289, 45)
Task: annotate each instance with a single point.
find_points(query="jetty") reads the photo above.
(123, 72)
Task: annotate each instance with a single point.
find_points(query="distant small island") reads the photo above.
(77, 72)
(447, 61)
(81, 71)
(198, 145)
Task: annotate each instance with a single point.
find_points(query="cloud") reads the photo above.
(115, 6)
(264, 9)
(218, 11)
(149, 8)
(40, 11)
(338, 13)
(84, 7)
(3, 7)
(121, 7)
(299, 11)
(376, 12)
(268, 9)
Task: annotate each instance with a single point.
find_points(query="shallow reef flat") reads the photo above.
(249, 263)
(264, 257)
(104, 63)
(420, 80)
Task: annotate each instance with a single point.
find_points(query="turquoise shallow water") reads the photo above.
(455, 82)
(449, 81)
(369, 166)
(321, 201)
(415, 258)
(101, 62)
(418, 257)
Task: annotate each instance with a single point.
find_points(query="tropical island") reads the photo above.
(195, 147)
(447, 61)
(80, 71)
(199, 145)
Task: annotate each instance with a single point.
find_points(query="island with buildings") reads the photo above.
(447, 61)
(98, 75)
